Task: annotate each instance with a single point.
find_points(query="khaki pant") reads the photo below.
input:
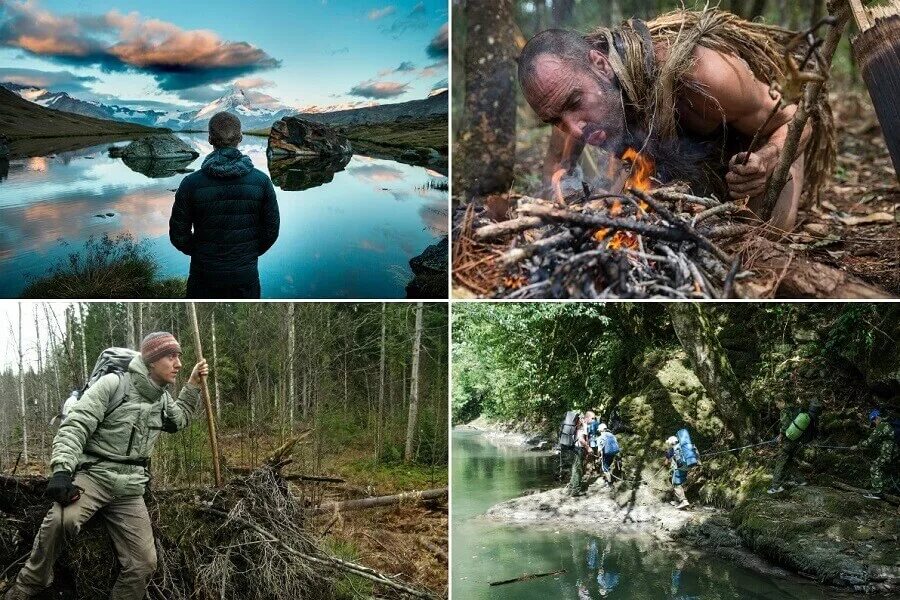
(128, 524)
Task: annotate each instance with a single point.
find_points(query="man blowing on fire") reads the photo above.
(689, 89)
(100, 464)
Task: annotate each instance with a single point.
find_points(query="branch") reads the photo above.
(798, 122)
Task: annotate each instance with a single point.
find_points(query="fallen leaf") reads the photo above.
(829, 205)
(879, 217)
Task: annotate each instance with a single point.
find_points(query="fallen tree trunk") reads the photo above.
(364, 503)
(527, 577)
(794, 276)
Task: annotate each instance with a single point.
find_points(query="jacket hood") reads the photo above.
(226, 163)
(141, 379)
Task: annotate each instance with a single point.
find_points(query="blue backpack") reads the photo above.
(610, 444)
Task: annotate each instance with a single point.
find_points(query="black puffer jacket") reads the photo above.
(225, 217)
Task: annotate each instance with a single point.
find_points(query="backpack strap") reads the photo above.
(119, 396)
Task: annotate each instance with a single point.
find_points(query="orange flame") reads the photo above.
(623, 239)
(601, 234)
(642, 168)
(556, 181)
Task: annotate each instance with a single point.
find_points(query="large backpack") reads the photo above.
(798, 427)
(111, 360)
(567, 430)
(610, 444)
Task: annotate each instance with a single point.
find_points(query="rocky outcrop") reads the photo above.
(297, 173)
(293, 136)
(429, 272)
(165, 146)
(837, 537)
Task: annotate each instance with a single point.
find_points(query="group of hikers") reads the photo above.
(591, 443)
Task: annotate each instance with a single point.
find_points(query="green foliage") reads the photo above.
(108, 267)
(348, 587)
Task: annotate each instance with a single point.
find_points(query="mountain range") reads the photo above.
(255, 109)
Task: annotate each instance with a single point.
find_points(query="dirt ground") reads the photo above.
(854, 227)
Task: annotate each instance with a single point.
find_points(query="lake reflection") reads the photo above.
(352, 236)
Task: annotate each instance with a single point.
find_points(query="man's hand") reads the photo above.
(61, 489)
(201, 369)
(750, 179)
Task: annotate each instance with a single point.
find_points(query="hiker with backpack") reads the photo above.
(681, 456)
(101, 457)
(608, 447)
(573, 438)
(882, 441)
(796, 432)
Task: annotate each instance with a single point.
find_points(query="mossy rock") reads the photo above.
(819, 531)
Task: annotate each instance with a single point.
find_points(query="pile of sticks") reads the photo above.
(658, 244)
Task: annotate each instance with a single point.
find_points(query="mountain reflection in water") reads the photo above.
(351, 235)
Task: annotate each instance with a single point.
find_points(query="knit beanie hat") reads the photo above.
(158, 344)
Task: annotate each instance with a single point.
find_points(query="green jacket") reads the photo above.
(88, 435)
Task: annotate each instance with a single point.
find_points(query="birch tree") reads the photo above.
(414, 387)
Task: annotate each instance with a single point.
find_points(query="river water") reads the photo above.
(348, 233)
(596, 566)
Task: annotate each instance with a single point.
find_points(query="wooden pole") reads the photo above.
(210, 417)
(811, 93)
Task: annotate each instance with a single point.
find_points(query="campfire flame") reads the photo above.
(642, 168)
(556, 181)
(623, 239)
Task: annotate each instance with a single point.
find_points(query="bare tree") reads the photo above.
(292, 345)
(129, 326)
(215, 366)
(414, 387)
(22, 390)
(380, 414)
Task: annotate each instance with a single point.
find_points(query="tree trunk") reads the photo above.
(414, 387)
(129, 324)
(140, 329)
(363, 503)
(380, 414)
(562, 12)
(486, 142)
(84, 366)
(22, 390)
(710, 363)
(757, 9)
(292, 344)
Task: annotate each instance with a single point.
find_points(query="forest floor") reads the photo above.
(854, 227)
(407, 540)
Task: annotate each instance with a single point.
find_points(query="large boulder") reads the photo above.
(293, 136)
(166, 145)
(429, 272)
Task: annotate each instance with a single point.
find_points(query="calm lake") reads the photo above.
(596, 566)
(350, 236)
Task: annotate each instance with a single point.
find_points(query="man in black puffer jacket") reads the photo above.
(225, 217)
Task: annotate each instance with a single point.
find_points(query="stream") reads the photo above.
(484, 474)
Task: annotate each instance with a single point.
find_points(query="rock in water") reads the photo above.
(115, 151)
(296, 136)
(4, 147)
(297, 173)
(165, 145)
(429, 272)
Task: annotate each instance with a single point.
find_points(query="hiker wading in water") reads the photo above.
(690, 89)
(225, 217)
(100, 463)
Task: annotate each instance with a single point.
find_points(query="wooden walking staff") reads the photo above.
(210, 417)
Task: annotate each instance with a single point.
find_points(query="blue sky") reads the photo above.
(303, 53)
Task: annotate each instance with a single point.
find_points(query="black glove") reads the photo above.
(61, 489)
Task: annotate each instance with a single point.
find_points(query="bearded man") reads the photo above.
(690, 89)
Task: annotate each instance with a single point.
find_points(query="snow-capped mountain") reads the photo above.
(255, 110)
(66, 103)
